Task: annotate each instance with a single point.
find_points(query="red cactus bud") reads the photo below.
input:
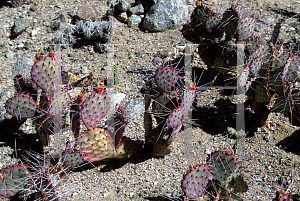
(51, 53)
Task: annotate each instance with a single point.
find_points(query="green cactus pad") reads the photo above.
(208, 52)
(156, 134)
(256, 106)
(189, 33)
(159, 104)
(231, 53)
(262, 94)
(220, 66)
(198, 20)
(147, 126)
(283, 105)
(245, 28)
(13, 179)
(165, 78)
(239, 185)
(75, 120)
(21, 106)
(160, 109)
(222, 164)
(120, 124)
(212, 22)
(42, 137)
(230, 22)
(19, 83)
(216, 191)
(71, 159)
(237, 182)
(44, 103)
(213, 26)
(43, 73)
(276, 32)
(161, 148)
(51, 124)
(94, 108)
(128, 149)
(147, 98)
(96, 145)
(195, 181)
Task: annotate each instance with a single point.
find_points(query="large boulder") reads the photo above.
(166, 14)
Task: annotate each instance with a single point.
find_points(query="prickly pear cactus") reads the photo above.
(43, 73)
(72, 158)
(96, 145)
(222, 164)
(93, 109)
(13, 179)
(161, 148)
(216, 179)
(21, 106)
(195, 181)
(269, 72)
(167, 103)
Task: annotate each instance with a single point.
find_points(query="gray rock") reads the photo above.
(112, 3)
(137, 10)
(122, 17)
(9, 54)
(133, 20)
(166, 14)
(190, 2)
(132, 109)
(84, 69)
(110, 11)
(264, 21)
(207, 151)
(20, 25)
(86, 12)
(259, 27)
(139, 53)
(124, 5)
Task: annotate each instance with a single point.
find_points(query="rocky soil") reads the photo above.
(271, 153)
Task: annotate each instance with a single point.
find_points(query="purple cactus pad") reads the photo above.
(94, 108)
(195, 181)
(165, 78)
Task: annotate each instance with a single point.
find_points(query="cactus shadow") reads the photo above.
(291, 143)
(116, 163)
(163, 198)
(13, 137)
(215, 119)
(5, 4)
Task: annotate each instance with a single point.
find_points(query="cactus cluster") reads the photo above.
(41, 105)
(86, 31)
(169, 103)
(221, 178)
(268, 72)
